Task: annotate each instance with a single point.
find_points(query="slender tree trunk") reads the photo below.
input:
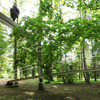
(94, 64)
(82, 67)
(24, 64)
(24, 61)
(33, 72)
(40, 68)
(15, 62)
(49, 68)
(15, 59)
(21, 69)
(63, 78)
(39, 60)
(51, 76)
(95, 78)
(21, 74)
(85, 66)
(79, 74)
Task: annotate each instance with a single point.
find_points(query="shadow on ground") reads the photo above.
(28, 90)
(30, 94)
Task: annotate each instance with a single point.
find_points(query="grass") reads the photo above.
(59, 81)
(28, 90)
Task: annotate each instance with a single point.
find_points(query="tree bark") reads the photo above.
(87, 77)
(39, 61)
(79, 74)
(40, 68)
(82, 67)
(94, 64)
(15, 59)
(15, 62)
(63, 78)
(51, 76)
(33, 72)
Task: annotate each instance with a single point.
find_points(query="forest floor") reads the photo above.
(28, 90)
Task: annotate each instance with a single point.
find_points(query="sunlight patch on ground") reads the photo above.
(29, 93)
(68, 98)
(67, 89)
(54, 86)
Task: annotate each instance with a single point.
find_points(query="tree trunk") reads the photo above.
(87, 77)
(15, 62)
(25, 74)
(33, 72)
(82, 67)
(40, 68)
(21, 74)
(15, 59)
(51, 76)
(94, 64)
(63, 78)
(24, 61)
(79, 74)
(39, 62)
(95, 78)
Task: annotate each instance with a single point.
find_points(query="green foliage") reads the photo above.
(3, 43)
(56, 37)
(69, 3)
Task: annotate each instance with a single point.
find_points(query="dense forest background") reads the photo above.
(54, 36)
